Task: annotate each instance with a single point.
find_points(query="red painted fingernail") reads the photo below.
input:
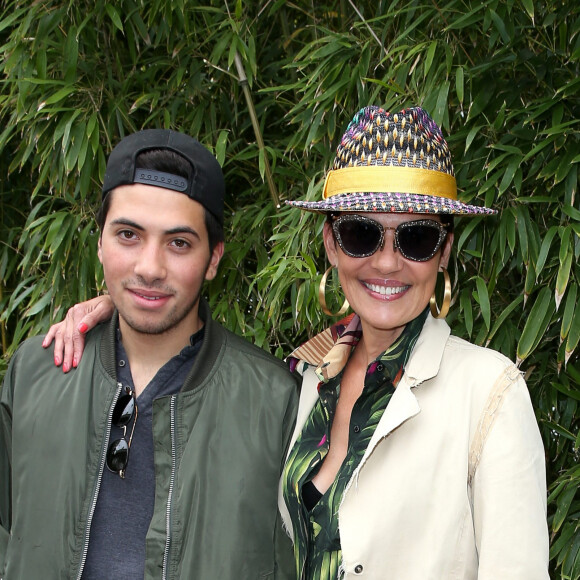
(75, 363)
(65, 368)
(83, 327)
(57, 361)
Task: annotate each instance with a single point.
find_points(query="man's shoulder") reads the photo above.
(31, 352)
(239, 346)
(31, 355)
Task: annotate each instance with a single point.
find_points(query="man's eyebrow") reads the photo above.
(170, 232)
(126, 222)
(182, 230)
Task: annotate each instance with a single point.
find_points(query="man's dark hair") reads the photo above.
(168, 162)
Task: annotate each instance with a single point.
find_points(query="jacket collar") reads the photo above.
(423, 363)
(108, 357)
(425, 360)
(213, 340)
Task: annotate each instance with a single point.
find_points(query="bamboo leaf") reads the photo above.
(522, 234)
(471, 136)
(536, 324)
(483, 301)
(508, 176)
(466, 309)
(114, 16)
(39, 305)
(562, 506)
(500, 25)
(57, 97)
(567, 317)
(503, 317)
(220, 147)
(429, 56)
(441, 105)
(529, 6)
(573, 335)
(459, 83)
(544, 249)
(563, 276)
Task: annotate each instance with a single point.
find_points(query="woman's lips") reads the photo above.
(387, 291)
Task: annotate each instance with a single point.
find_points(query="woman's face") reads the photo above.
(387, 290)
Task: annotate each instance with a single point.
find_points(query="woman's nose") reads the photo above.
(388, 257)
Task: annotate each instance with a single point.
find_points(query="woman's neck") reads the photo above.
(376, 341)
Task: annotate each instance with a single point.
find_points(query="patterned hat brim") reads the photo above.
(392, 203)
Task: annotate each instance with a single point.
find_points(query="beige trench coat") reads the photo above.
(452, 485)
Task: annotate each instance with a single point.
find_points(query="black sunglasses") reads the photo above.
(118, 452)
(360, 237)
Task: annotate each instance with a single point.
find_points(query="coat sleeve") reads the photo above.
(5, 460)
(285, 567)
(509, 487)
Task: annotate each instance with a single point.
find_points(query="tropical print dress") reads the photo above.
(316, 535)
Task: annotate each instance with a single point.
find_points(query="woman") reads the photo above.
(416, 455)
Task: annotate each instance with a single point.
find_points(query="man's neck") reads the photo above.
(147, 353)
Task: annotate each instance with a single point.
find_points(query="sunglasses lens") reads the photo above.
(123, 410)
(359, 238)
(118, 455)
(418, 242)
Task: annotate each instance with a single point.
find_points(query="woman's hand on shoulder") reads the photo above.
(69, 335)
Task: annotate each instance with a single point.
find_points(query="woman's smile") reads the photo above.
(386, 290)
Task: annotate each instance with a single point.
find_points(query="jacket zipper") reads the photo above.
(170, 492)
(98, 486)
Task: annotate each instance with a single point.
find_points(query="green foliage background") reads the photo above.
(502, 78)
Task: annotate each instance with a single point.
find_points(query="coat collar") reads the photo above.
(214, 339)
(425, 360)
(423, 363)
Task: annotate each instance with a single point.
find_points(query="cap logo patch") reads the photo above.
(160, 179)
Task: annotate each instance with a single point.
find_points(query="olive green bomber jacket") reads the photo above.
(219, 450)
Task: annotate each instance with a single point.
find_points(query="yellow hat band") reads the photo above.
(389, 179)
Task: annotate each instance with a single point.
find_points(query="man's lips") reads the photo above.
(149, 295)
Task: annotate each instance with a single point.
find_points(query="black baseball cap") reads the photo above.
(206, 186)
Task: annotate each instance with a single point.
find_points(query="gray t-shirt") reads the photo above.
(125, 506)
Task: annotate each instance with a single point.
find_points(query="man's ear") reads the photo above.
(446, 252)
(214, 261)
(100, 249)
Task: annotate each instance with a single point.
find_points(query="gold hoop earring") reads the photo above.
(322, 297)
(435, 311)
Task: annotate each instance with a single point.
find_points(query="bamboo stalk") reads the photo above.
(243, 80)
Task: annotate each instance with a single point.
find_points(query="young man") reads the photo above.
(159, 455)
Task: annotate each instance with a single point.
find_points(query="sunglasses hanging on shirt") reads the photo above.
(360, 237)
(118, 453)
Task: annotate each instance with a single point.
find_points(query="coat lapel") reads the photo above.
(423, 364)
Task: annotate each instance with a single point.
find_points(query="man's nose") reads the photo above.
(150, 265)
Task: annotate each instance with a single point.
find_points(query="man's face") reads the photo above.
(155, 254)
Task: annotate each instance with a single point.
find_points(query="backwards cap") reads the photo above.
(206, 185)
